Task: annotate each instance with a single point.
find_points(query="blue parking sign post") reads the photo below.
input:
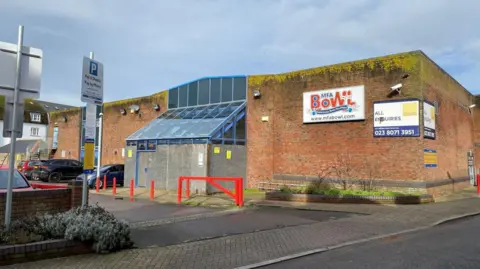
(92, 94)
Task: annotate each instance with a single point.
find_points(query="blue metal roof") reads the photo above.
(189, 123)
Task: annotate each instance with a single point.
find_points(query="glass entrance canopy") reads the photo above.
(198, 122)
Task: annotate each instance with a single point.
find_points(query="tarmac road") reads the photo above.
(451, 245)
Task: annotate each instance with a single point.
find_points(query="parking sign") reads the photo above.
(92, 81)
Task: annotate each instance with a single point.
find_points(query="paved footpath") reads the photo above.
(245, 249)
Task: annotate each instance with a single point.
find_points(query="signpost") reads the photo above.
(20, 77)
(92, 94)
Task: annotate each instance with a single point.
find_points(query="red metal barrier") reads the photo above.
(105, 182)
(152, 190)
(97, 184)
(237, 196)
(131, 190)
(478, 184)
(48, 186)
(114, 189)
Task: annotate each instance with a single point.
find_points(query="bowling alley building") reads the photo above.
(399, 121)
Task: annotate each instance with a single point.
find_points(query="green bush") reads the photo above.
(91, 224)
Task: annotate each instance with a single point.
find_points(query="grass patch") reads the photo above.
(191, 203)
(337, 192)
(253, 191)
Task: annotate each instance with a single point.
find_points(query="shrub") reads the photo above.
(90, 224)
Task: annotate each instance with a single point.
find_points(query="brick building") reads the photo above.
(417, 137)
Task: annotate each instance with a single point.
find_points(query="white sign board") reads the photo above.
(90, 120)
(333, 105)
(92, 81)
(398, 118)
(30, 74)
(429, 120)
(200, 159)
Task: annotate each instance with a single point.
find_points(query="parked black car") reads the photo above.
(111, 171)
(56, 170)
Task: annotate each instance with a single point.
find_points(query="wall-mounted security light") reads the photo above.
(156, 107)
(472, 106)
(256, 94)
(396, 87)
(395, 90)
(123, 111)
(134, 109)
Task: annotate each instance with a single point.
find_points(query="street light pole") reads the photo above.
(100, 128)
(85, 176)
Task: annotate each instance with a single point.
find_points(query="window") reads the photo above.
(35, 117)
(76, 163)
(34, 131)
(18, 180)
(240, 129)
(192, 94)
(183, 99)
(59, 163)
(239, 89)
(215, 91)
(203, 92)
(173, 98)
(142, 145)
(227, 89)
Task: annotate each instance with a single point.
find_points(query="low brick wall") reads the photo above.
(12, 254)
(317, 198)
(435, 188)
(26, 203)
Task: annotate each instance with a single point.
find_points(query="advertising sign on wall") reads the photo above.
(396, 118)
(333, 105)
(428, 120)
(430, 158)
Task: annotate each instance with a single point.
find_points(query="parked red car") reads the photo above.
(20, 183)
(26, 167)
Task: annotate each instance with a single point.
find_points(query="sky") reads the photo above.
(148, 46)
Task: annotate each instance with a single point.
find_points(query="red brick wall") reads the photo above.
(25, 203)
(454, 123)
(38, 201)
(116, 127)
(68, 132)
(476, 123)
(284, 145)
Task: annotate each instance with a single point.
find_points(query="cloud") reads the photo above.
(147, 46)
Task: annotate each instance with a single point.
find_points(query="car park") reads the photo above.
(56, 170)
(109, 171)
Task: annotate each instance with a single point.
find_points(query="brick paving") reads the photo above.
(240, 250)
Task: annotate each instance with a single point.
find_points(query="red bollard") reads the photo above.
(478, 182)
(114, 189)
(187, 187)
(131, 190)
(179, 190)
(105, 182)
(97, 183)
(152, 190)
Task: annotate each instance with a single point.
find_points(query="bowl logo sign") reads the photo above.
(331, 102)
